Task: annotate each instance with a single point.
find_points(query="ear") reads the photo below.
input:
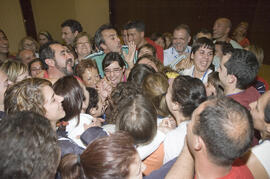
(93, 111)
(232, 79)
(50, 62)
(175, 106)
(198, 143)
(142, 34)
(189, 39)
(192, 56)
(103, 46)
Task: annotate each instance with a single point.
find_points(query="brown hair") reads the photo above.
(69, 88)
(155, 86)
(138, 117)
(83, 65)
(28, 38)
(107, 157)
(26, 95)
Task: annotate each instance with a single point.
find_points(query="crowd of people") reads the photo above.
(169, 106)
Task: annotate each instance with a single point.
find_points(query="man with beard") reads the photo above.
(58, 60)
(180, 49)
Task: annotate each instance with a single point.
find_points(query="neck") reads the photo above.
(54, 73)
(2, 107)
(179, 117)
(198, 74)
(224, 39)
(53, 124)
(231, 91)
(202, 168)
(3, 56)
(143, 42)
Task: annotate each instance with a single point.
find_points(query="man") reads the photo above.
(58, 59)
(136, 33)
(237, 71)
(4, 46)
(70, 29)
(4, 82)
(221, 30)
(28, 147)
(26, 56)
(107, 40)
(202, 33)
(180, 49)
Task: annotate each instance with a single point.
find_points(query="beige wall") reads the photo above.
(50, 14)
(11, 21)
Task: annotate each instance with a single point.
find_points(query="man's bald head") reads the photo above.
(222, 29)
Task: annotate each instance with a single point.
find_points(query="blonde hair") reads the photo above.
(26, 95)
(258, 52)
(13, 69)
(28, 38)
(155, 87)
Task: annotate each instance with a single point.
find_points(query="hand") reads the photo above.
(104, 89)
(167, 125)
(130, 55)
(185, 63)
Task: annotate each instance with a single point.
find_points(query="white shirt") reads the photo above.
(171, 56)
(190, 72)
(262, 153)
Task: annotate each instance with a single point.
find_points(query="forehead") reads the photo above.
(204, 48)
(66, 29)
(27, 52)
(57, 47)
(114, 64)
(221, 22)
(83, 38)
(108, 32)
(180, 33)
(36, 64)
(133, 30)
(27, 41)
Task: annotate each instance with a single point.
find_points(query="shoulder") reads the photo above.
(96, 55)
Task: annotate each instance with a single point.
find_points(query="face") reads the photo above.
(160, 42)
(114, 73)
(112, 41)
(90, 77)
(52, 104)
(67, 35)
(241, 30)
(220, 29)
(3, 86)
(145, 51)
(125, 36)
(86, 97)
(42, 39)
(135, 168)
(27, 56)
(210, 89)
(35, 68)
(135, 36)
(148, 62)
(29, 45)
(22, 76)
(3, 44)
(202, 59)
(63, 58)
(100, 109)
(168, 41)
(257, 111)
(223, 75)
(83, 46)
(180, 40)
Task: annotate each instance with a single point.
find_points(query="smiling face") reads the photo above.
(221, 29)
(29, 45)
(202, 59)
(4, 45)
(90, 77)
(52, 104)
(257, 111)
(180, 41)
(114, 73)
(83, 46)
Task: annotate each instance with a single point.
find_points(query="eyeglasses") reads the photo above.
(115, 70)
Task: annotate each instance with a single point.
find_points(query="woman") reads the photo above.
(258, 158)
(44, 37)
(15, 70)
(240, 33)
(83, 46)
(29, 43)
(202, 54)
(36, 68)
(111, 157)
(36, 95)
(75, 103)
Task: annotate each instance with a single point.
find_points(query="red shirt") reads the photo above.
(159, 49)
